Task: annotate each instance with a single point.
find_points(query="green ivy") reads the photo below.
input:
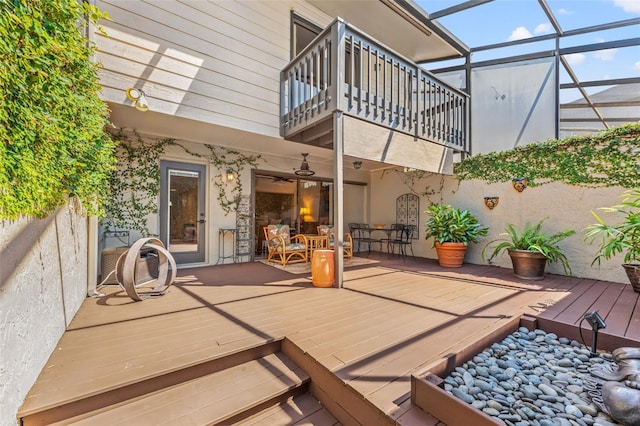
(52, 119)
(135, 184)
(609, 158)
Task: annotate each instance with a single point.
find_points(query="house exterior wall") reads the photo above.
(355, 195)
(561, 206)
(43, 281)
(215, 62)
(512, 104)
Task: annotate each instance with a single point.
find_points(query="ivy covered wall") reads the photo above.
(52, 120)
(568, 179)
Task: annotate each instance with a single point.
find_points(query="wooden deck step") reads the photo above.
(220, 396)
(298, 410)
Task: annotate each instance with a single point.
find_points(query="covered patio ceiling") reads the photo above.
(386, 20)
(156, 124)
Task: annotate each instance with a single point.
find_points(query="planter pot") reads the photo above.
(528, 265)
(633, 272)
(451, 255)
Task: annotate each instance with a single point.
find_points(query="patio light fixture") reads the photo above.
(138, 96)
(596, 322)
(304, 167)
(230, 175)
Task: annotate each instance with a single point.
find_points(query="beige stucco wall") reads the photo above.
(43, 281)
(562, 207)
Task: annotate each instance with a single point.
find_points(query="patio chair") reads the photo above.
(348, 240)
(284, 248)
(403, 239)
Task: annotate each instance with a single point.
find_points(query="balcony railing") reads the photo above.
(345, 70)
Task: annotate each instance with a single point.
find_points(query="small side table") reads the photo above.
(223, 234)
(316, 242)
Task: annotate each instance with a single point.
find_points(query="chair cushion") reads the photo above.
(275, 230)
(293, 247)
(346, 244)
(326, 230)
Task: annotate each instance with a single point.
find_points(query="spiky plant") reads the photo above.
(531, 238)
(623, 237)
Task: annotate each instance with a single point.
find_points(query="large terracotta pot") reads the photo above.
(633, 272)
(451, 255)
(528, 265)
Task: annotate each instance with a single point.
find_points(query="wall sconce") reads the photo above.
(596, 322)
(230, 175)
(357, 165)
(138, 96)
(520, 183)
(491, 202)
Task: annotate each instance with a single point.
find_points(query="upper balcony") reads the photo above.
(345, 70)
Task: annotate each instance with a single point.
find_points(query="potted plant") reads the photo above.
(452, 230)
(623, 237)
(530, 249)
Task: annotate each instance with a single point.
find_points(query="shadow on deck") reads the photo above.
(251, 344)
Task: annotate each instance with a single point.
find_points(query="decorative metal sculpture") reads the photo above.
(126, 269)
(616, 388)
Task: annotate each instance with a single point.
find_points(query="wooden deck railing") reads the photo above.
(345, 70)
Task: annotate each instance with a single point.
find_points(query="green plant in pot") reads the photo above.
(530, 249)
(623, 237)
(452, 229)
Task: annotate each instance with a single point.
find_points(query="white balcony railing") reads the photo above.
(345, 70)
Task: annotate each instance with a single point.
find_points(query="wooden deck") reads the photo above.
(356, 347)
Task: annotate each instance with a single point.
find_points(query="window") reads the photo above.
(302, 33)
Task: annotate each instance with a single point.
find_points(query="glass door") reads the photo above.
(182, 210)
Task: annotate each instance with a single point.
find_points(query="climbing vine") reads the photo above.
(609, 158)
(135, 184)
(52, 140)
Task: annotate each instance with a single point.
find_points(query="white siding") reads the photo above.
(213, 61)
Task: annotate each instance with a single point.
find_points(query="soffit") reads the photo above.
(391, 25)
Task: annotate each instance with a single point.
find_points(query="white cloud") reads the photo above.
(563, 11)
(629, 6)
(575, 58)
(637, 65)
(605, 55)
(543, 28)
(519, 34)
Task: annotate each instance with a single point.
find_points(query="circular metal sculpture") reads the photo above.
(127, 269)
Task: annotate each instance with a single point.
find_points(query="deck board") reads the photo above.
(390, 319)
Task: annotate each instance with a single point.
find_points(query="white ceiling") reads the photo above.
(385, 20)
(160, 125)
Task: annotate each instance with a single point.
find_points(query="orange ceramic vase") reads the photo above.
(322, 268)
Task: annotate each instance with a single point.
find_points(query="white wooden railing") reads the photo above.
(345, 70)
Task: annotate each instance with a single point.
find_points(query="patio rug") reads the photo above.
(305, 268)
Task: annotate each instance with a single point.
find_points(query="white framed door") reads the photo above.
(182, 210)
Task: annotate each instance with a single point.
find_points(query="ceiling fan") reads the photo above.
(278, 179)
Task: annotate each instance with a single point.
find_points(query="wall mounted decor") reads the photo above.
(519, 183)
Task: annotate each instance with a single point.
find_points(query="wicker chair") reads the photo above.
(282, 247)
(348, 241)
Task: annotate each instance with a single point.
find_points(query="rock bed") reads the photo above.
(531, 378)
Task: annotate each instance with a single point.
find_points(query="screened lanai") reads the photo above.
(573, 63)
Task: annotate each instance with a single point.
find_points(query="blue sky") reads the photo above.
(504, 20)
